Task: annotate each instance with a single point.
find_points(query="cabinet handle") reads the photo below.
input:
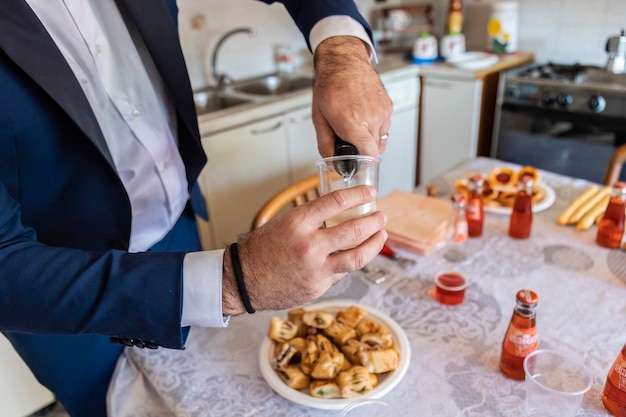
(266, 130)
(437, 84)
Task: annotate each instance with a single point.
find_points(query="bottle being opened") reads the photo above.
(521, 336)
(614, 395)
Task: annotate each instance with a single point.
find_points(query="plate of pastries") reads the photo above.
(328, 354)
(501, 186)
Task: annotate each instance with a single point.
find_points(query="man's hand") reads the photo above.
(348, 98)
(293, 259)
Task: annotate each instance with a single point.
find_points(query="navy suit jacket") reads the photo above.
(64, 214)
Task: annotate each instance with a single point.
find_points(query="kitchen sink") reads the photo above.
(209, 101)
(273, 85)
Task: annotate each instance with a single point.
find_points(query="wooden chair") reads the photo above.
(614, 168)
(292, 196)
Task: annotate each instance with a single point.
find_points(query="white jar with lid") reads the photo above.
(503, 26)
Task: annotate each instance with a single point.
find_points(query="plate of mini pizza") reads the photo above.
(327, 354)
(500, 188)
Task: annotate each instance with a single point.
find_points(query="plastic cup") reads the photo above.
(450, 288)
(331, 180)
(369, 407)
(555, 384)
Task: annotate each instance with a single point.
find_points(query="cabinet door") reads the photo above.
(247, 166)
(302, 143)
(449, 124)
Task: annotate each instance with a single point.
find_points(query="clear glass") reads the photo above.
(369, 407)
(555, 384)
(366, 173)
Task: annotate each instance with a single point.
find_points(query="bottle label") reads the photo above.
(617, 375)
(460, 231)
(521, 342)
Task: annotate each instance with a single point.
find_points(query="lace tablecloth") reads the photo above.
(455, 350)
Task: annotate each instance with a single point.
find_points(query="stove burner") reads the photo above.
(575, 73)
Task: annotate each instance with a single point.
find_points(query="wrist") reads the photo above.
(232, 304)
(335, 53)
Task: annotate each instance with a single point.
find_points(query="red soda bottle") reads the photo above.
(475, 211)
(611, 227)
(522, 214)
(614, 395)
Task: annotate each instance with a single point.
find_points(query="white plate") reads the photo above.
(473, 60)
(547, 201)
(385, 383)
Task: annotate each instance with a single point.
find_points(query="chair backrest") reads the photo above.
(615, 166)
(292, 196)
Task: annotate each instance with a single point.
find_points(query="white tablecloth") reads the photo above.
(455, 350)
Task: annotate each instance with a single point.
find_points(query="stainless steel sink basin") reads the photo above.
(211, 101)
(273, 85)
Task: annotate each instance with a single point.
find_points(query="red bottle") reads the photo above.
(521, 335)
(614, 395)
(522, 214)
(611, 227)
(459, 218)
(475, 211)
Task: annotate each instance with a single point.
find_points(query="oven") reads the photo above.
(562, 118)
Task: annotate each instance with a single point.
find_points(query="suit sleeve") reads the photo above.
(306, 13)
(56, 290)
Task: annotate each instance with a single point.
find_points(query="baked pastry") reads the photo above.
(502, 177)
(282, 330)
(324, 389)
(367, 326)
(379, 361)
(318, 319)
(351, 316)
(283, 355)
(379, 340)
(355, 382)
(327, 365)
(352, 350)
(294, 377)
(528, 170)
(506, 198)
(340, 333)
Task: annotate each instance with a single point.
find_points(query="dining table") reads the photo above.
(454, 349)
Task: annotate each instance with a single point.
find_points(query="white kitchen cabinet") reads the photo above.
(301, 143)
(449, 121)
(247, 165)
(399, 162)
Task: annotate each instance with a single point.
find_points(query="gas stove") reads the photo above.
(580, 89)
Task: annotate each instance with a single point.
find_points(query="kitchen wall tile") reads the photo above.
(583, 13)
(539, 13)
(580, 45)
(616, 18)
(542, 40)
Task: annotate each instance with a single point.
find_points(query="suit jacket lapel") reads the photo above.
(25, 40)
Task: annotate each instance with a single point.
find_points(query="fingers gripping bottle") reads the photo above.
(614, 395)
(521, 335)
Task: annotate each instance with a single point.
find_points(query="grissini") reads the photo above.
(592, 214)
(582, 197)
(588, 204)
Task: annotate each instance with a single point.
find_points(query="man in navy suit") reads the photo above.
(99, 156)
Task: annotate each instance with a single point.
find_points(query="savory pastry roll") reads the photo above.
(281, 330)
(310, 355)
(340, 333)
(283, 355)
(318, 319)
(295, 316)
(355, 382)
(324, 389)
(351, 316)
(379, 361)
(294, 377)
(352, 349)
(379, 340)
(328, 365)
(367, 326)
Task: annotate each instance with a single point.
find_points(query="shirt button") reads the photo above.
(98, 48)
(166, 165)
(135, 113)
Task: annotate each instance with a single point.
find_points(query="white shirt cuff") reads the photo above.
(202, 289)
(340, 26)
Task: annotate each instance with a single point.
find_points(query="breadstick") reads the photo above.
(592, 214)
(564, 216)
(584, 207)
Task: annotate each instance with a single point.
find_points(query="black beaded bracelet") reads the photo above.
(243, 292)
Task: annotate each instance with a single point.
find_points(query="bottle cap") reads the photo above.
(527, 298)
(458, 198)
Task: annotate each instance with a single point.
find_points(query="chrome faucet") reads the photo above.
(220, 80)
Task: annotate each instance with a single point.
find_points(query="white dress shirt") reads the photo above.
(138, 121)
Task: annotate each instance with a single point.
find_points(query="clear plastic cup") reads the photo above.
(555, 384)
(369, 407)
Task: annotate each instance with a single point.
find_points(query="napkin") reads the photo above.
(415, 222)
